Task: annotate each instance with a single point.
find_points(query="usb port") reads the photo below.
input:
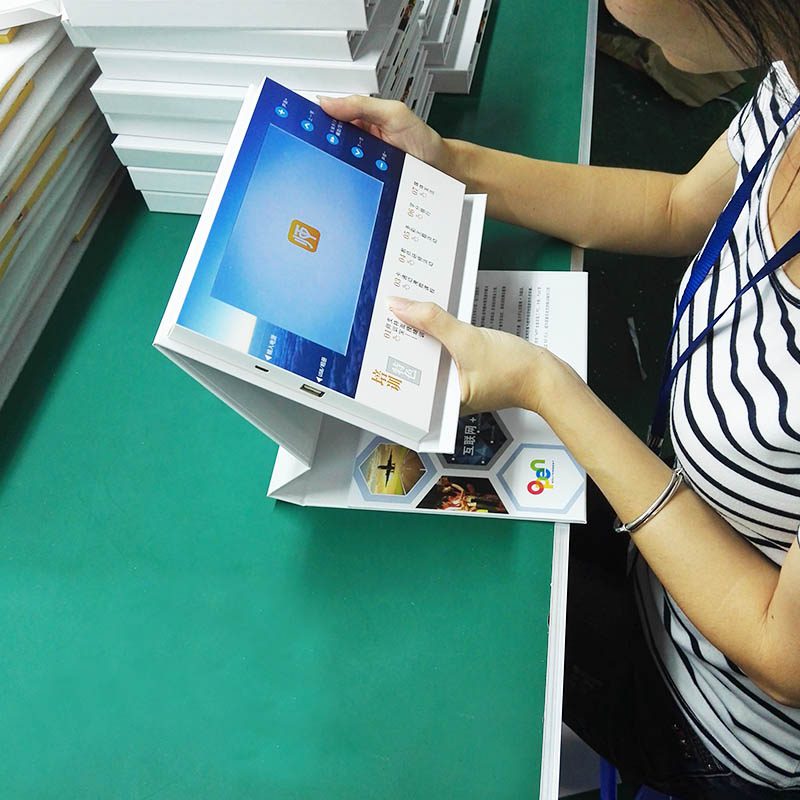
(312, 390)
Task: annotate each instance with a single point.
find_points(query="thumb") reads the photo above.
(433, 319)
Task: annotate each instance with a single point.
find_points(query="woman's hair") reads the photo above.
(758, 31)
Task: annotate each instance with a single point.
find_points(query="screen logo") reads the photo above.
(304, 236)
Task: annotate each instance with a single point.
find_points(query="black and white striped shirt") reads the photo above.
(735, 424)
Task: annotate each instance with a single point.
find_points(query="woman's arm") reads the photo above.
(742, 602)
(605, 208)
(624, 210)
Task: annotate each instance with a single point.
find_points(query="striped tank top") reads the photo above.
(735, 427)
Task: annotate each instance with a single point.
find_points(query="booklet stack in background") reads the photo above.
(14, 13)
(175, 73)
(57, 172)
(453, 37)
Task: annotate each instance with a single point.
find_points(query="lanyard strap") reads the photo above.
(659, 425)
(704, 263)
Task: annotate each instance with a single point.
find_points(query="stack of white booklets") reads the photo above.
(282, 310)
(13, 14)
(452, 40)
(175, 73)
(57, 172)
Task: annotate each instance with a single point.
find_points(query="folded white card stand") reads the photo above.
(310, 227)
(296, 427)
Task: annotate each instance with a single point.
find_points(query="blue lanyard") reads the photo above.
(700, 269)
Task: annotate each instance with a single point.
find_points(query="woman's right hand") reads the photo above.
(391, 121)
(495, 369)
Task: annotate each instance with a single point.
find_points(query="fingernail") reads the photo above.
(399, 303)
(322, 97)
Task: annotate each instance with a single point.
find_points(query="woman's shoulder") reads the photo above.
(756, 123)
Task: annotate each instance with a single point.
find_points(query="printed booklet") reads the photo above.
(281, 310)
(506, 464)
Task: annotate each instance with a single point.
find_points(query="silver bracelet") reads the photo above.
(674, 483)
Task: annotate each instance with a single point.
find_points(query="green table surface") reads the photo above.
(167, 631)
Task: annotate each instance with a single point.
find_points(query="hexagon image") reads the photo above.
(390, 469)
(481, 438)
(465, 494)
(542, 478)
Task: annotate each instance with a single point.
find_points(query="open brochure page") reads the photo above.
(315, 225)
(506, 464)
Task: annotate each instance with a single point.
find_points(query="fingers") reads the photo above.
(433, 319)
(369, 110)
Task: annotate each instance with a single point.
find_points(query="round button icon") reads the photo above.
(381, 165)
(357, 152)
(332, 138)
(281, 112)
(307, 125)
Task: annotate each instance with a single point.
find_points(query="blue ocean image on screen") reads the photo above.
(310, 293)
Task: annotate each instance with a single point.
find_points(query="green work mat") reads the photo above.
(167, 631)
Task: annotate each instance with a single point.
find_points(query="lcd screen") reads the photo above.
(289, 269)
(299, 247)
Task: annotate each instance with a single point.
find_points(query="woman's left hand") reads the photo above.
(496, 369)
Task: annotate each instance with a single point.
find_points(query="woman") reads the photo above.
(697, 691)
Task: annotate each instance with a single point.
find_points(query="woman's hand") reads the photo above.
(391, 121)
(496, 369)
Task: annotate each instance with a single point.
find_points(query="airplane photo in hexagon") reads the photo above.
(481, 438)
(390, 469)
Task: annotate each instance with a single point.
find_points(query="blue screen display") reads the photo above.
(290, 269)
(307, 284)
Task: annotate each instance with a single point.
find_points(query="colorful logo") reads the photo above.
(543, 477)
(304, 236)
